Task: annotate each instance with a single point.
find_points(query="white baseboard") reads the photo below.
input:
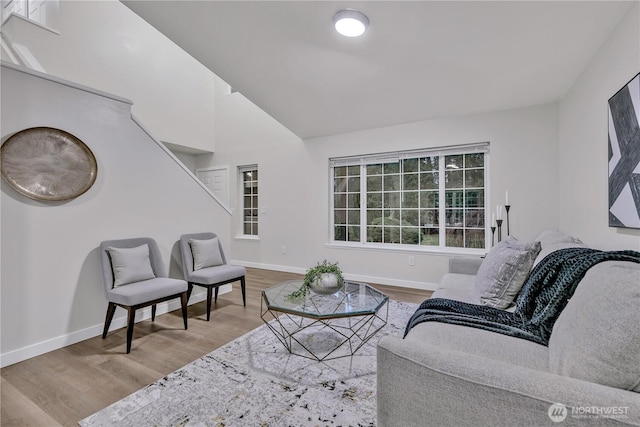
(355, 277)
(15, 356)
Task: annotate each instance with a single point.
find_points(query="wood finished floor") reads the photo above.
(66, 385)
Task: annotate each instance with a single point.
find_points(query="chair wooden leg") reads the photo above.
(217, 288)
(183, 302)
(111, 309)
(130, 321)
(244, 291)
(209, 289)
(153, 313)
(189, 291)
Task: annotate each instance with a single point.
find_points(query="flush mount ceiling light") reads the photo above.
(350, 22)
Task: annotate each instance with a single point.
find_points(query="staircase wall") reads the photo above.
(104, 45)
(51, 291)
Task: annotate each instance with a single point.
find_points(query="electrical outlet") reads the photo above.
(412, 260)
(283, 250)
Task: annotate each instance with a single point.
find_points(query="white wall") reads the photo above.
(190, 161)
(294, 183)
(103, 44)
(551, 158)
(51, 292)
(583, 133)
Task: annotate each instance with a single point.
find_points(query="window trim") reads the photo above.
(241, 172)
(398, 156)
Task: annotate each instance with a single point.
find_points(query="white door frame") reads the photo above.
(216, 168)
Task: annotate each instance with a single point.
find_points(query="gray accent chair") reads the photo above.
(139, 294)
(209, 277)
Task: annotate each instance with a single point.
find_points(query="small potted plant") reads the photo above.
(325, 279)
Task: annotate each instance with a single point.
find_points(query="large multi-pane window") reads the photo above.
(249, 177)
(427, 198)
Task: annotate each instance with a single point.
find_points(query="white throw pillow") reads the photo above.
(206, 253)
(130, 265)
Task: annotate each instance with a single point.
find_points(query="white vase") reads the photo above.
(326, 284)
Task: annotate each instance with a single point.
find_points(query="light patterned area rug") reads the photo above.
(254, 381)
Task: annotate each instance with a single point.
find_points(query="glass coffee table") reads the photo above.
(324, 327)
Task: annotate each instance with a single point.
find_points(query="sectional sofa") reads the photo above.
(589, 373)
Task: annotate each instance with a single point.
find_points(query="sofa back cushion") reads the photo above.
(552, 240)
(503, 272)
(597, 338)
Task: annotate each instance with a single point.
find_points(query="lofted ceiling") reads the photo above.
(419, 60)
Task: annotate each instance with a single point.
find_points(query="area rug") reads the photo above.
(254, 381)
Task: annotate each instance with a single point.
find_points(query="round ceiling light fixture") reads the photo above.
(350, 22)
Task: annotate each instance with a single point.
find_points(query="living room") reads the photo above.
(550, 157)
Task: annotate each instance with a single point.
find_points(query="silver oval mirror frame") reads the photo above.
(48, 164)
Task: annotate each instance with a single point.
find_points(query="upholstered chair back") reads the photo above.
(155, 258)
(187, 255)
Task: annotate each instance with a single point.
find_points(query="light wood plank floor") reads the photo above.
(64, 386)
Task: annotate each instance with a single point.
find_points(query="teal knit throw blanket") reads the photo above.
(542, 298)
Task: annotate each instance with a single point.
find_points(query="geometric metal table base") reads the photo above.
(324, 339)
(324, 327)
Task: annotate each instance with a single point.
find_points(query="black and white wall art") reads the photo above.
(624, 156)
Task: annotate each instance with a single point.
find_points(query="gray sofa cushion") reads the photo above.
(458, 281)
(549, 237)
(504, 270)
(465, 265)
(481, 343)
(464, 295)
(597, 338)
(457, 287)
(552, 240)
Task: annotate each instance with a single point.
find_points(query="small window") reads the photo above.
(249, 196)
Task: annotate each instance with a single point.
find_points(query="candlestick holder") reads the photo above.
(493, 233)
(507, 207)
(499, 222)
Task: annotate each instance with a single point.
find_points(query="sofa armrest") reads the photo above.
(464, 265)
(420, 384)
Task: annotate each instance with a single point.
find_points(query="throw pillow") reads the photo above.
(206, 253)
(503, 272)
(596, 338)
(552, 240)
(130, 265)
(549, 237)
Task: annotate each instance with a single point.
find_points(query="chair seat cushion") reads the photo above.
(147, 290)
(217, 274)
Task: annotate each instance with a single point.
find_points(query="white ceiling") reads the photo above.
(419, 60)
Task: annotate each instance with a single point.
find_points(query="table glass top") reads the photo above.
(352, 300)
